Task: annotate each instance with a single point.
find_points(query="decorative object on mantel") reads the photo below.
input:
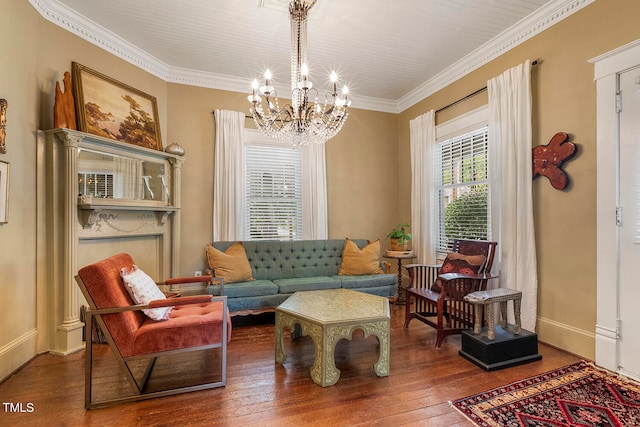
(400, 237)
(548, 160)
(305, 120)
(174, 148)
(110, 109)
(3, 124)
(64, 113)
(85, 199)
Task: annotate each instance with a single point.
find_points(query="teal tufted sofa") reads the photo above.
(281, 268)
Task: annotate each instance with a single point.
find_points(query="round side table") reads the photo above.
(400, 255)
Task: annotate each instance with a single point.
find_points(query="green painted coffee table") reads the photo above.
(327, 317)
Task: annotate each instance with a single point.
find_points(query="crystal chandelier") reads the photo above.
(306, 119)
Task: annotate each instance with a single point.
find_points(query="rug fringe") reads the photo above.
(462, 413)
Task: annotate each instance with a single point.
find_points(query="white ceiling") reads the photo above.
(391, 53)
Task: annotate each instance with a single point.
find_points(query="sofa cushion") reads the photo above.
(232, 264)
(270, 260)
(367, 281)
(253, 288)
(307, 284)
(356, 261)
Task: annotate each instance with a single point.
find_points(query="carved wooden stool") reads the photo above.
(487, 299)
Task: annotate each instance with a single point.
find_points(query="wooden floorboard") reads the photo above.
(260, 392)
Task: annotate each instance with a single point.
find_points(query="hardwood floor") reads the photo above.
(260, 392)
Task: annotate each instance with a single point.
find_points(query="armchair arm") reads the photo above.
(171, 302)
(421, 275)
(180, 280)
(208, 278)
(456, 286)
(457, 276)
(195, 299)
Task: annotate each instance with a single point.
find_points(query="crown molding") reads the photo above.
(70, 20)
(550, 14)
(545, 17)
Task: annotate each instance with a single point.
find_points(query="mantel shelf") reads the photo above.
(87, 209)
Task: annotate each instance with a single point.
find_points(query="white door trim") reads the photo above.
(606, 70)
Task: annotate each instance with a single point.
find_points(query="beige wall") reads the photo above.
(361, 169)
(367, 163)
(564, 99)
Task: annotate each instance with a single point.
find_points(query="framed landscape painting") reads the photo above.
(105, 107)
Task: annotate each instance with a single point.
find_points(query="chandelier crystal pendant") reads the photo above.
(305, 120)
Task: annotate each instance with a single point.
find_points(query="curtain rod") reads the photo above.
(245, 116)
(464, 98)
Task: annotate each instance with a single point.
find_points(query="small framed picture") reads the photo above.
(105, 107)
(4, 191)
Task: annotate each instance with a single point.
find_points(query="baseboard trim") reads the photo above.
(17, 353)
(568, 338)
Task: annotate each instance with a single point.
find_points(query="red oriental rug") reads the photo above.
(577, 395)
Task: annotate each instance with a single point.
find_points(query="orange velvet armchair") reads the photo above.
(195, 323)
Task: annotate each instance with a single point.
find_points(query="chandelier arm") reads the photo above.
(304, 120)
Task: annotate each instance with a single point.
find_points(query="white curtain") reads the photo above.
(511, 194)
(423, 140)
(314, 193)
(228, 185)
(129, 180)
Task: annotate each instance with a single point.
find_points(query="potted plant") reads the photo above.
(400, 237)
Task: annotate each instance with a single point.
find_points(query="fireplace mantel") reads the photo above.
(136, 209)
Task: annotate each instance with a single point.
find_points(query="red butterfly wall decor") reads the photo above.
(548, 160)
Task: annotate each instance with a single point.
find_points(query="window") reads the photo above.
(273, 183)
(462, 187)
(96, 184)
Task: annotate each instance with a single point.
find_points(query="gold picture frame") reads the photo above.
(108, 108)
(4, 191)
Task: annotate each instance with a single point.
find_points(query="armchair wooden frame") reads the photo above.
(139, 385)
(445, 309)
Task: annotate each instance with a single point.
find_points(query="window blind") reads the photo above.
(462, 188)
(273, 192)
(96, 184)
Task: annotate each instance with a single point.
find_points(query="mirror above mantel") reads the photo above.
(111, 176)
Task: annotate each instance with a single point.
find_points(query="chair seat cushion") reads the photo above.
(190, 325)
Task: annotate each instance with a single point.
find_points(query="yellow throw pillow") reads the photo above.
(357, 262)
(232, 264)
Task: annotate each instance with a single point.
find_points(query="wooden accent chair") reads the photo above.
(439, 298)
(195, 323)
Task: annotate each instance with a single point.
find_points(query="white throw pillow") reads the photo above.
(143, 289)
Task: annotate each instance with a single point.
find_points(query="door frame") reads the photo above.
(607, 68)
